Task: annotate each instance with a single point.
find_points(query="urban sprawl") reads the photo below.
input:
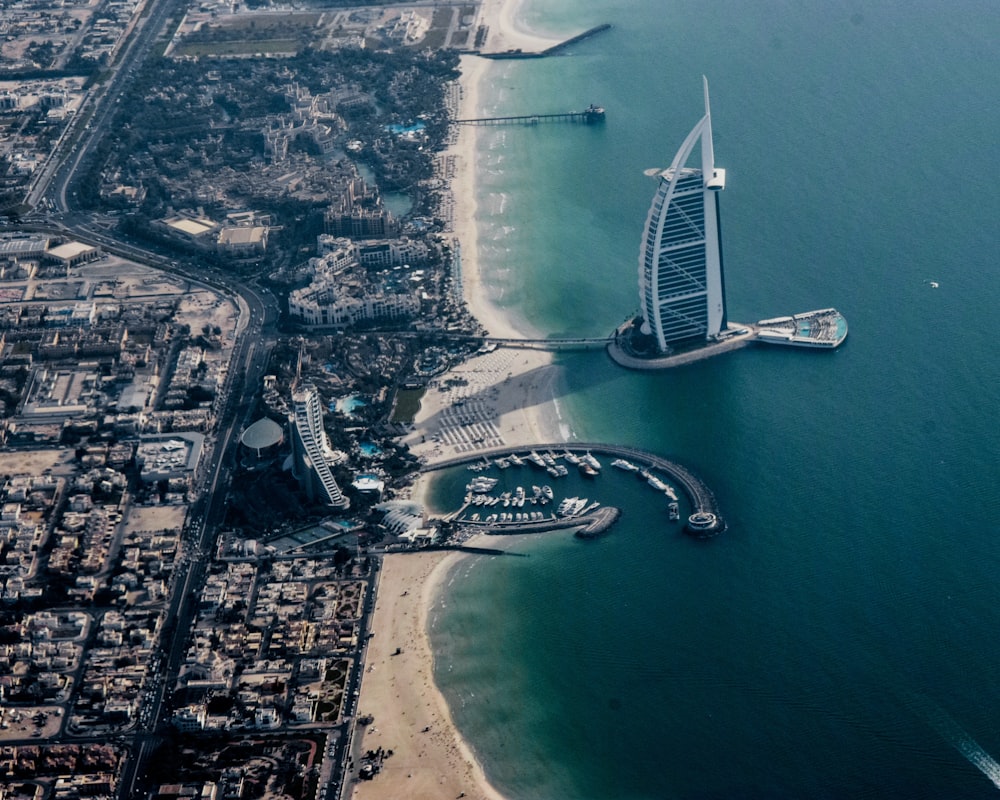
(227, 273)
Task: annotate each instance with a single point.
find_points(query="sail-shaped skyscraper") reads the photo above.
(681, 288)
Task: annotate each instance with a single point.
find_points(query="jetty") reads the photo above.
(591, 115)
(548, 51)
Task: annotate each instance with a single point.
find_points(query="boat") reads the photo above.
(628, 466)
(571, 506)
(558, 471)
(547, 492)
(588, 471)
(503, 463)
(565, 505)
(589, 459)
(481, 484)
(518, 499)
(674, 511)
(536, 459)
(549, 459)
(656, 483)
(572, 458)
(515, 460)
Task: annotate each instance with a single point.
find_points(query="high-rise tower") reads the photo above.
(311, 449)
(681, 289)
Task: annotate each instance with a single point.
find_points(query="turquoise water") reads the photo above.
(839, 639)
(348, 405)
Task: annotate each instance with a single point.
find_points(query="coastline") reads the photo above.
(429, 757)
(508, 395)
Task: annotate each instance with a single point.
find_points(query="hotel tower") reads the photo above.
(681, 289)
(311, 449)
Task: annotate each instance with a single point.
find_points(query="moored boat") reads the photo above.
(481, 484)
(571, 458)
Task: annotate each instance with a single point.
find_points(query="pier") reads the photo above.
(589, 116)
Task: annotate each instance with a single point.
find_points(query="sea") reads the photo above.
(842, 638)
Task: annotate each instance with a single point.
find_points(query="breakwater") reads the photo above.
(549, 51)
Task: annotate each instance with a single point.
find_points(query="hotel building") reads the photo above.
(311, 449)
(682, 294)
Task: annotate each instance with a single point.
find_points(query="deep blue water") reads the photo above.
(839, 640)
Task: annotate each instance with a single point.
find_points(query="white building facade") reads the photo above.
(681, 287)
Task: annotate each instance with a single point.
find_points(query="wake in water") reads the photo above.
(957, 737)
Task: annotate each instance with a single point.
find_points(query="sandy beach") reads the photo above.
(502, 398)
(429, 759)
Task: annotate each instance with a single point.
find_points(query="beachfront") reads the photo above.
(500, 398)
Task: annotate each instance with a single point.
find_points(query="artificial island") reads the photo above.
(682, 297)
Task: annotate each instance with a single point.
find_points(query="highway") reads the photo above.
(97, 109)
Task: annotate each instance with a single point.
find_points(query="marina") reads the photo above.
(519, 511)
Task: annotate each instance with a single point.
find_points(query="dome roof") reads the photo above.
(262, 434)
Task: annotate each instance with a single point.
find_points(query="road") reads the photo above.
(97, 109)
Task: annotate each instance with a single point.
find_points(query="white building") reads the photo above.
(311, 449)
(681, 289)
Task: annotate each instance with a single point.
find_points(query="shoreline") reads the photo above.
(430, 759)
(504, 397)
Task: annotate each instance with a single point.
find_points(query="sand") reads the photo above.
(506, 32)
(429, 759)
(501, 398)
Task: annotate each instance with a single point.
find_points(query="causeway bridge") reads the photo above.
(696, 490)
(553, 345)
